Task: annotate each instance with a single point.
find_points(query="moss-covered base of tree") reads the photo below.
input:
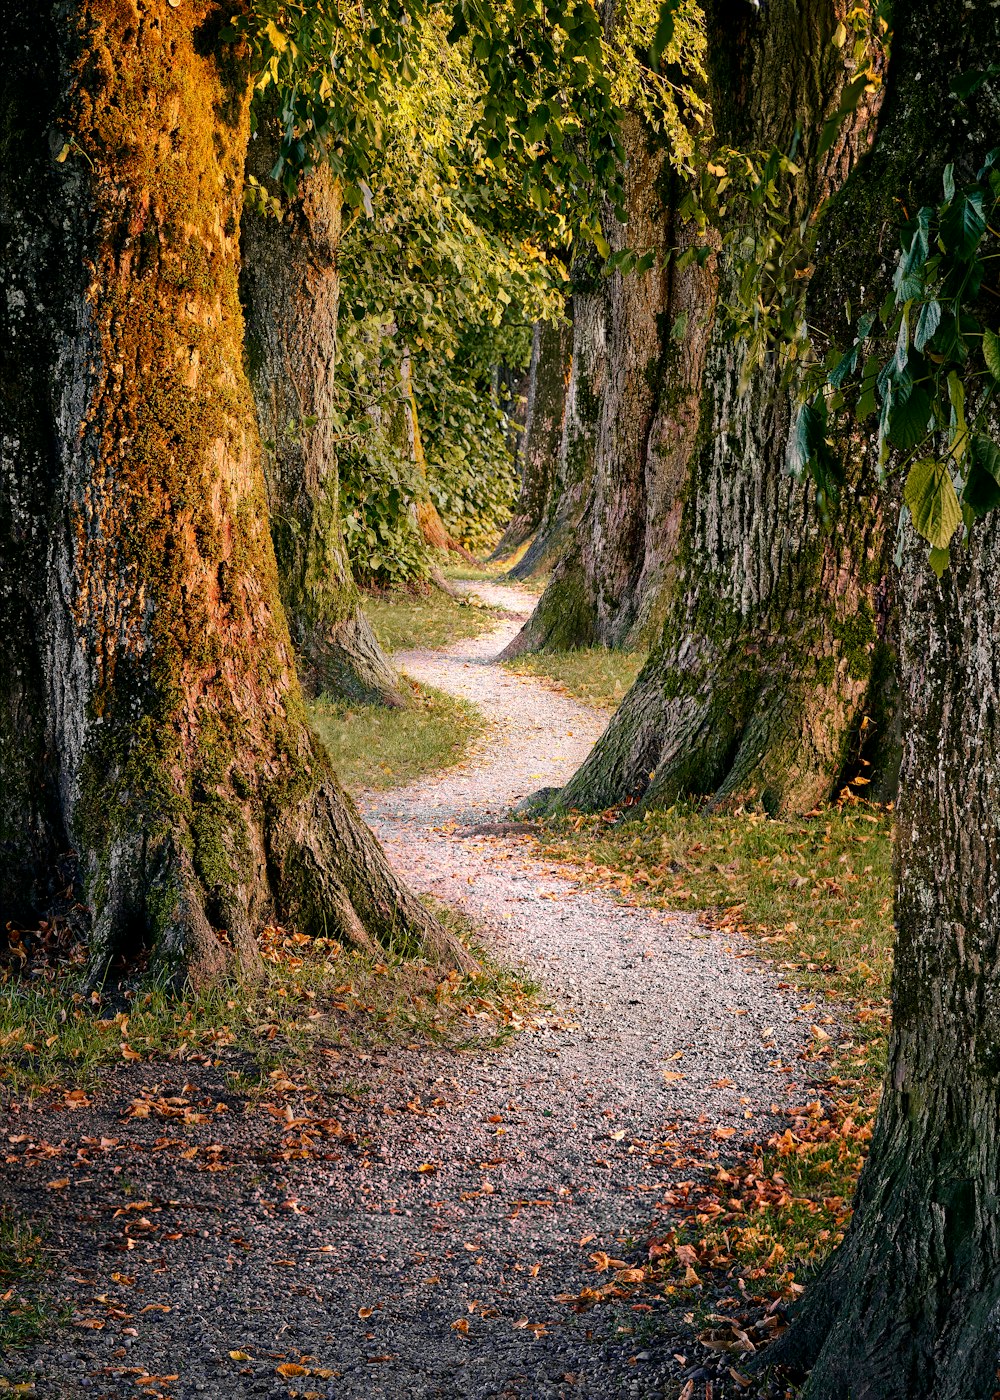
(515, 537)
(346, 661)
(195, 897)
(564, 617)
(732, 730)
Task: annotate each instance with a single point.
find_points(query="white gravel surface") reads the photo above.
(641, 986)
(377, 1278)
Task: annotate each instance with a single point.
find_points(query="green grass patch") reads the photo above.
(498, 573)
(373, 747)
(312, 995)
(594, 675)
(813, 896)
(407, 619)
(23, 1315)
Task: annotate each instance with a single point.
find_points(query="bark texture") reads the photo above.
(606, 588)
(290, 286)
(548, 380)
(764, 663)
(167, 742)
(909, 1306)
(574, 474)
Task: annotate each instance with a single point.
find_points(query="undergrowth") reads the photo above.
(375, 747)
(22, 1313)
(595, 675)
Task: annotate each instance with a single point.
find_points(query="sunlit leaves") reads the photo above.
(930, 495)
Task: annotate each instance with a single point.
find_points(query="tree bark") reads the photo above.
(763, 667)
(166, 741)
(574, 473)
(290, 286)
(909, 1306)
(548, 379)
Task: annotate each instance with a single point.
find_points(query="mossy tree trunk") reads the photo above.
(763, 667)
(909, 1305)
(607, 586)
(166, 740)
(574, 474)
(548, 380)
(290, 287)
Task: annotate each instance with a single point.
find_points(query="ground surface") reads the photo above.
(461, 1193)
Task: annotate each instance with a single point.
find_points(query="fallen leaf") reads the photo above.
(240, 1356)
(292, 1368)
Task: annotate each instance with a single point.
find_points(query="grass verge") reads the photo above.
(313, 999)
(372, 747)
(813, 896)
(594, 675)
(432, 619)
(22, 1314)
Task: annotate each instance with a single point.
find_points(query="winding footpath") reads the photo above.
(370, 1275)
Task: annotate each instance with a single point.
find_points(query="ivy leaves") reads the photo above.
(923, 360)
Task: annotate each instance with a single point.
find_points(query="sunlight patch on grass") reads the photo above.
(595, 675)
(374, 747)
(406, 619)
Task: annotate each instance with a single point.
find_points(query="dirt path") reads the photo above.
(378, 1278)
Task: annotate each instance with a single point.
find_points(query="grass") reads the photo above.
(594, 675)
(22, 1315)
(813, 896)
(497, 572)
(373, 747)
(312, 995)
(432, 619)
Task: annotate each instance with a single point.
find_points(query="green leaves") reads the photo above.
(930, 495)
(982, 485)
(809, 451)
(665, 27)
(991, 353)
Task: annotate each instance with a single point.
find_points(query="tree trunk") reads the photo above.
(166, 739)
(574, 473)
(606, 589)
(763, 667)
(548, 379)
(290, 285)
(909, 1306)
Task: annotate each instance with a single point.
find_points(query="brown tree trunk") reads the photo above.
(432, 528)
(763, 667)
(606, 588)
(548, 378)
(570, 490)
(909, 1306)
(290, 287)
(166, 741)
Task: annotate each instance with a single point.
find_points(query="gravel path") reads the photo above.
(375, 1277)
